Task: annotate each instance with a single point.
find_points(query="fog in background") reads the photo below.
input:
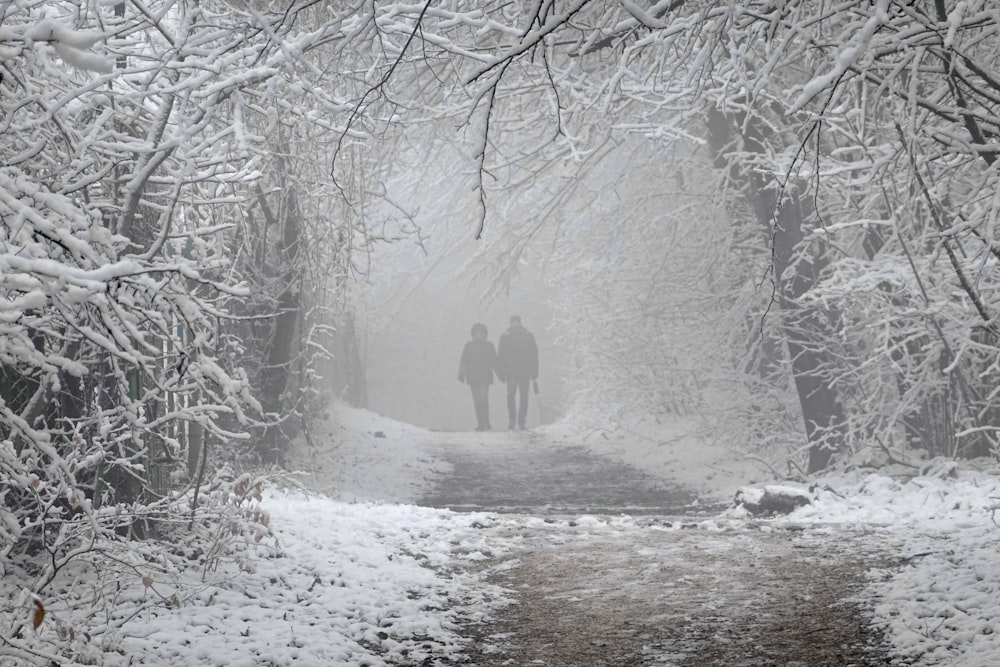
(619, 254)
(418, 320)
(413, 366)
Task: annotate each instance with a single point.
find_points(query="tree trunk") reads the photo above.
(805, 328)
(281, 346)
(349, 379)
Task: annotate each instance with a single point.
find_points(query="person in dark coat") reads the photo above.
(479, 359)
(517, 365)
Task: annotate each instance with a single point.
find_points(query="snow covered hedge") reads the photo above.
(132, 140)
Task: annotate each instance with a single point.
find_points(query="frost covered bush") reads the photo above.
(91, 577)
(122, 263)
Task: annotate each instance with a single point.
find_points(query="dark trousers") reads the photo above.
(481, 401)
(517, 406)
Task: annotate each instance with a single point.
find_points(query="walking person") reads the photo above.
(479, 359)
(517, 365)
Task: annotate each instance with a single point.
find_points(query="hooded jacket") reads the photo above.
(478, 361)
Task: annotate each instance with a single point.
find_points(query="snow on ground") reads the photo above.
(346, 584)
(358, 575)
(676, 451)
(939, 602)
(353, 454)
(355, 576)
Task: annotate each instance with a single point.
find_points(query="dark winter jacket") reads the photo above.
(517, 356)
(479, 358)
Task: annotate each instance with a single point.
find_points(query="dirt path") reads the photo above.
(518, 472)
(666, 584)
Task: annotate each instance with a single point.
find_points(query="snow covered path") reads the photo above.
(358, 574)
(606, 571)
(664, 595)
(522, 472)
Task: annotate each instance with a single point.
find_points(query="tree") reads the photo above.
(127, 166)
(832, 97)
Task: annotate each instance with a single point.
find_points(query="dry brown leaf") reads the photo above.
(39, 614)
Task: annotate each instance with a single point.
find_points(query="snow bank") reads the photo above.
(358, 455)
(345, 584)
(939, 600)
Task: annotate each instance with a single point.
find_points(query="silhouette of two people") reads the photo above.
(514, 362)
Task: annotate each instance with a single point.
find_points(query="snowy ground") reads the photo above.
(941, 604)
(358, 575)
(349, 584)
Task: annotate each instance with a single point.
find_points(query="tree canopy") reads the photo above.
(852, 147)
(780, 214)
